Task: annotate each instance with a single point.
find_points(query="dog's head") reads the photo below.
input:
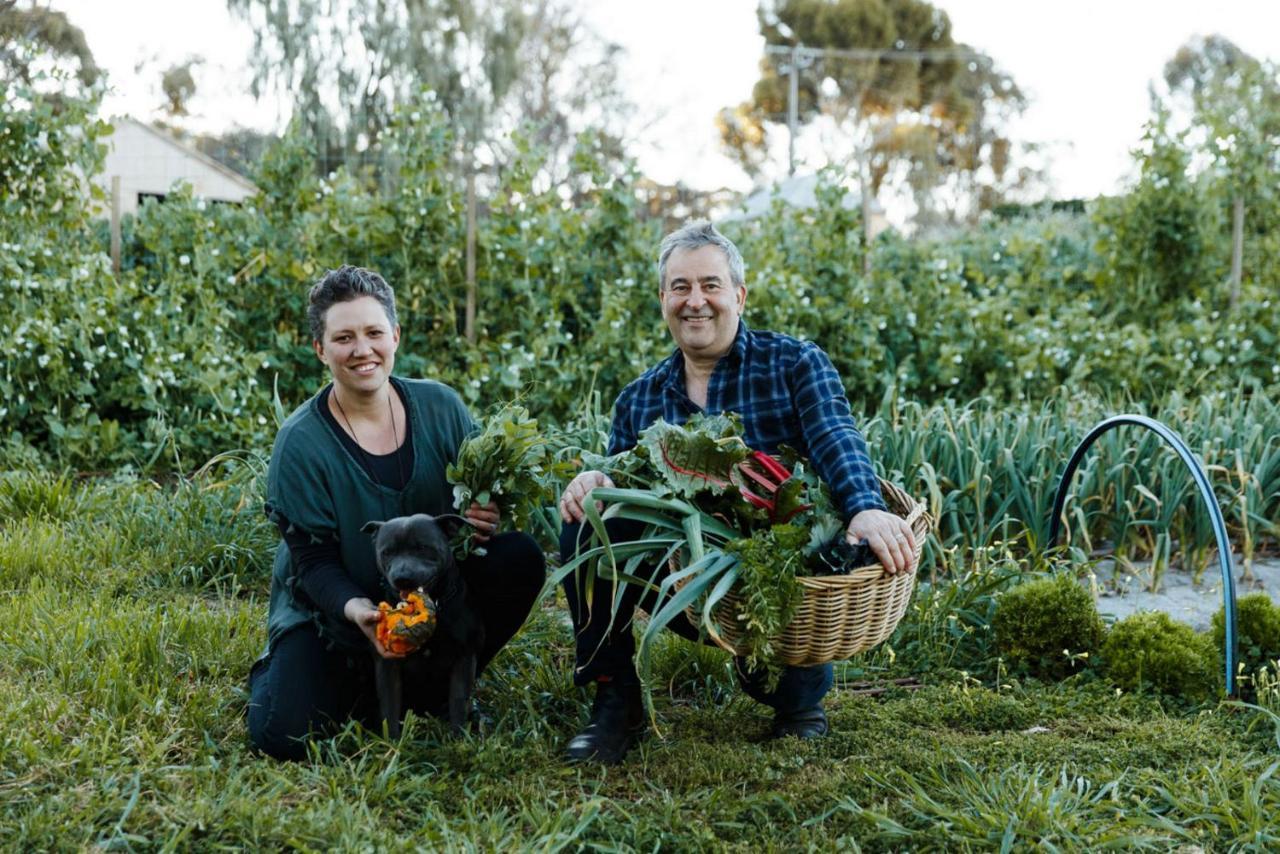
(413, 552)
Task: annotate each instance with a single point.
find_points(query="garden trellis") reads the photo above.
(1196, 467)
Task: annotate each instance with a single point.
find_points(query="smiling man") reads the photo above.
(787, 393)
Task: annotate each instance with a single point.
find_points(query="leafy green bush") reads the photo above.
(1044, 627)
(566, 292)
(1257, 630)
(1151, 651)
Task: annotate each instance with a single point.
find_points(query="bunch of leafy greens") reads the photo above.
(768, 595)
(507, 462)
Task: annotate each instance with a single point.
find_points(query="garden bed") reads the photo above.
(1179, 594)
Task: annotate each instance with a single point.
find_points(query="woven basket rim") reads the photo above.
(852, 596)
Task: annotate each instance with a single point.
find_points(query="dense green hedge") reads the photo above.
(178, 357)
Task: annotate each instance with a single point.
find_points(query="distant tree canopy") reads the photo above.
(1233, 101)
(898, 88)
(179, 86)
(55, 39)
(493, 65)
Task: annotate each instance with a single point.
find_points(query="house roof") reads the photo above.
(797, 191)
(188, 151)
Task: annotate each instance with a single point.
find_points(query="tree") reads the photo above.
(493, 65)
(179, 86)
(1234, 103)
(890, 83)
(35, 38)
(1154, 240)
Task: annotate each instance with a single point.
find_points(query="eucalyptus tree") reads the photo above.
(494, 66)
(894, 89)
(35, 40)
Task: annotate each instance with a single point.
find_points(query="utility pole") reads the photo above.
(798, 58)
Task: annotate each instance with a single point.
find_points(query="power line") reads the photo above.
(880, 54)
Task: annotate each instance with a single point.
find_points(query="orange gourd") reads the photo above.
(406, 626)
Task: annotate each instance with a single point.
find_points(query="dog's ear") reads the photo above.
(371, 527)
(451, 523)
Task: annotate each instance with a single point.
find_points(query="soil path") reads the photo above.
(1178, 596)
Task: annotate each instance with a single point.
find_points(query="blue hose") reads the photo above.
(1211, 503)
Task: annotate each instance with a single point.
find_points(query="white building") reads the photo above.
(149, 162)
(800, 191)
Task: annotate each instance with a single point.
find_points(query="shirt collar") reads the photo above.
(736, 353)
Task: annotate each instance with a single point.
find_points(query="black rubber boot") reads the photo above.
(617, 722)
(809, 723)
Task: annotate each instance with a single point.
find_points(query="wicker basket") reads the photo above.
(840, 615)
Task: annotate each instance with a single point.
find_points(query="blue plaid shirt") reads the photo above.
(787, 392)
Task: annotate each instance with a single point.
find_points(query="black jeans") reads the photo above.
(304, 688)
(609, 652)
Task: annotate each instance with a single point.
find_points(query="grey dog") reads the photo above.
(414, 554)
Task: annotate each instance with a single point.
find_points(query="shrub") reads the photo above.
(1257, 629)
(1150, 650)
(1041, 626)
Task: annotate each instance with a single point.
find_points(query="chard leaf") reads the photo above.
(697, 457)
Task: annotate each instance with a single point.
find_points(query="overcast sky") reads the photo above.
(1086, 64)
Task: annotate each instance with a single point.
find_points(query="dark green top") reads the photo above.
(317, 487)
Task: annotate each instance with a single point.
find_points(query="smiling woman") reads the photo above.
(368, 447)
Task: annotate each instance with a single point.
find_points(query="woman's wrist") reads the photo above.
(355, 606)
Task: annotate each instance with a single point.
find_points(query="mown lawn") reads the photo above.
(129, 615)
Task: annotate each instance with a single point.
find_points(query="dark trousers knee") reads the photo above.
(503, 585)
(304, 689)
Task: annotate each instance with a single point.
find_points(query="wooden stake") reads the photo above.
(115, 224)
(469, 330)
(1237, 246)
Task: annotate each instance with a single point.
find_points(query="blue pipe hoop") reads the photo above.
(1210, 501)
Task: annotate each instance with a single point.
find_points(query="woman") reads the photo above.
(368, 446)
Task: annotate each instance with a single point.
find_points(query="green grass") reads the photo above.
(130, 613)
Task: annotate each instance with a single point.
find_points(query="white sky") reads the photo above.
(1086, 65)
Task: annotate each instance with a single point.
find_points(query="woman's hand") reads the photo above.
(484, 519)
(362, 612)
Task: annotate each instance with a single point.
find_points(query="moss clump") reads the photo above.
(1258, 630)
(1152, 651)
(1041, 626)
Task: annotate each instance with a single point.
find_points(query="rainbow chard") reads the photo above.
(768, 485)
(695, 459)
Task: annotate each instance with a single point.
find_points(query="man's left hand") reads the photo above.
(889, 536)
(484, 519)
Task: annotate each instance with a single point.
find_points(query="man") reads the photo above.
(787, 392)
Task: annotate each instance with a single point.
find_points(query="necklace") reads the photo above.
(365, 456)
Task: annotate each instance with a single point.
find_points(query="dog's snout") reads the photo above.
(406, 574)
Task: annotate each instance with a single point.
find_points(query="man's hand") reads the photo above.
(363, 613)
(571, 507)
(889, 536)
(484, 520)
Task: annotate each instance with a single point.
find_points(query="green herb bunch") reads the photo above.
(507, 462)
(768, 561)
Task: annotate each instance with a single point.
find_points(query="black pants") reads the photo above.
(304, 688)
(610, 652)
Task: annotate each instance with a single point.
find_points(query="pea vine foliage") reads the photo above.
(724, 516)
